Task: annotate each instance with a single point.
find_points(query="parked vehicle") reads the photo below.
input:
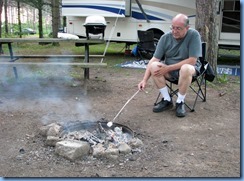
(26, 31)
(125, 17)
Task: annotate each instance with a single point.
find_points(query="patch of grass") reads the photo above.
(223, 79)
(229, 57)
(229, 52)
(230, 85)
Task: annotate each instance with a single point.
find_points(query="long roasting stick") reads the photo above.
(110, 123)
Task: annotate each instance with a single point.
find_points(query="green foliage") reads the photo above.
(223, 79)
(229, 57)
(14, 29)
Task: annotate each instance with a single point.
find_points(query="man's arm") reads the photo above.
(147, 74)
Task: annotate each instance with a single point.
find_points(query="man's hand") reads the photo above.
(142, 85)
(162, 70)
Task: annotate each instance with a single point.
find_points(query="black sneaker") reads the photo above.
(163, 105)
(180, 109)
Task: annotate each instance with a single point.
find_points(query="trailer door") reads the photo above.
(230, 24)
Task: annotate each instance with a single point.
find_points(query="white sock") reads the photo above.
(165, 93)
(180, 98)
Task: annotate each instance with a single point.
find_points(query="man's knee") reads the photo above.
(187, 69)
(154, 66)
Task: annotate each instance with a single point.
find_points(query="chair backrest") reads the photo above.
(203, 57)
(146, 40)
(204, 48)
(145, 36)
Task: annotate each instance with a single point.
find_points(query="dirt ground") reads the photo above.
(206, 143)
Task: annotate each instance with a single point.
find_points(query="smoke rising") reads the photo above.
(50, 90)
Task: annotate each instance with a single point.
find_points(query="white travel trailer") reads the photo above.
(125, 17)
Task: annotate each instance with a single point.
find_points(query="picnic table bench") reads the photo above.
(85, 64)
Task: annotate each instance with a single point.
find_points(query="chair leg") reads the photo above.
(200, 93)
(156, 102)
(174, 92)
(140, 55)
(205, 90)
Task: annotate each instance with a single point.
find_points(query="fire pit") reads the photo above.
(97, 132)
(83, 138)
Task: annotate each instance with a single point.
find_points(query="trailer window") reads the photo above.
(231, 16)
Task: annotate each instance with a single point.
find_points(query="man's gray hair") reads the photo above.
(187, 22)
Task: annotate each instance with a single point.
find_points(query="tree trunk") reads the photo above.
(206, 24)
(40, 28)
(1, 8)
(55, 19)
(6, 15)
(19, 20)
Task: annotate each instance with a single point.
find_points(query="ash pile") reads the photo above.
(79, 139)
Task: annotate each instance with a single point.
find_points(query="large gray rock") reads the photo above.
(72, 149)
(135, 143)
(52, 129)
(124, 148)
(52, 140)
(111, 152)
(98, 150)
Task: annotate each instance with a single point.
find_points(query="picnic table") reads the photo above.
(85, 64)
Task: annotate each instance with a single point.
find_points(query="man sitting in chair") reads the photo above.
(180, 48)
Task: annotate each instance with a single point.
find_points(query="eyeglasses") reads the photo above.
(176, 28)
